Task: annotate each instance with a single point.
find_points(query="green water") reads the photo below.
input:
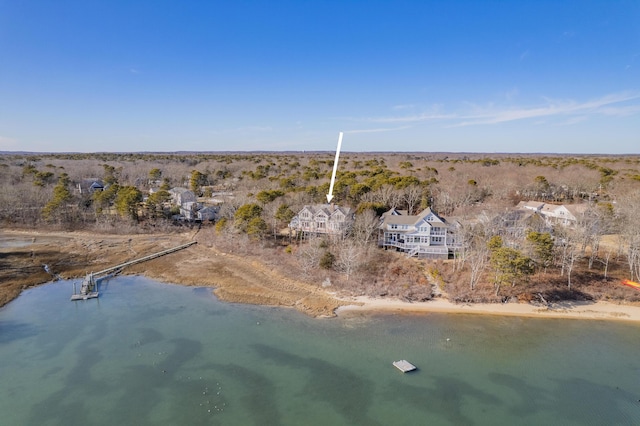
(159, 354)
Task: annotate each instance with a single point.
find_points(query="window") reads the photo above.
(393, 226)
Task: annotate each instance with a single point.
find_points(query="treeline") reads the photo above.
(262, 191)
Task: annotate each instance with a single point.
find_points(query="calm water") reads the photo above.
(158, 354)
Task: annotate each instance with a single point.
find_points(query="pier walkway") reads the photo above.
(89, 287)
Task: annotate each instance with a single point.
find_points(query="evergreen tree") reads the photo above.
(128, 201)
(61, 196)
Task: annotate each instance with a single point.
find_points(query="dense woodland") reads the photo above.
(260, 193)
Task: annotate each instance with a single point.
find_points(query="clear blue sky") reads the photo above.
(413, 75)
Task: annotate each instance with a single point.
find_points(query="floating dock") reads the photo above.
(80, 296)
(404, 366)
(88, 290)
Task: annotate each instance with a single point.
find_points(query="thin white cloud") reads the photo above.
(616, 104)
(242, 130)
(511, 94)
(401, 107)
(410, 118)
(253, 129)
(573, 120)
(378, 130)
(606, 105)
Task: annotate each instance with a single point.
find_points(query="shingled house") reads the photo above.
(327, 219)
(424, 235)
(562, 214)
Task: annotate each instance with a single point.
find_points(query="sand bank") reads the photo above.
(577, 310)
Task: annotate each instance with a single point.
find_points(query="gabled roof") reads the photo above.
(576, 209)
(179, 190)
(549, 208)
(395, 217)
(530, 205)
(330, 210)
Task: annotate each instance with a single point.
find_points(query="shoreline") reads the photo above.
(573, 310)
(235, 280)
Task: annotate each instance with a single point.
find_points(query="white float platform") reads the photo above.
(404, 366)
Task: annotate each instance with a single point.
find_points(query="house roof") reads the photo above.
(549, 208)
(530, 205)
(576, 209)
(396, 217)
(179, 190)
(328, 209)
(554, 210)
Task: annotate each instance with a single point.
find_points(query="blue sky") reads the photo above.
(433, 76)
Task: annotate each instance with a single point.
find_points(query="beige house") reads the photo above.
(562, 214)
(327, 219)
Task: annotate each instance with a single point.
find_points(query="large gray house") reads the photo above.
(326, 219)
(424, 235)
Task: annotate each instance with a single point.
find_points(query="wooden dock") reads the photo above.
(404, 366)
(89, 288)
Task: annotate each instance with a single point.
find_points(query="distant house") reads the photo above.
(423, 235)
(207, 213)
(188, 210)
(562, 214)
(90, 185)
(180, 196)
(327, 219)
(536, 206)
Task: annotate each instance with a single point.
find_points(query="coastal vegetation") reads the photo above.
(259, 193)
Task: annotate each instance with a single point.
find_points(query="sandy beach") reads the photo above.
(575, 310)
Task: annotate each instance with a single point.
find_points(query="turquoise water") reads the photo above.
(159, 354)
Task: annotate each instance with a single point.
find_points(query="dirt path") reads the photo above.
(73, 254)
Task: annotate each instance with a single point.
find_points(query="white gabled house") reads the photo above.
(562, 214)
(327, 219)
(422, 235)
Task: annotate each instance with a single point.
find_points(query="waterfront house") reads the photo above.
(322, 219)
(423, 235)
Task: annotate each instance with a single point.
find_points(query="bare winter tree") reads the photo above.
(349, 255)
(365, 226)
(412, 195)
(630, 233)
(386, 195)
(475, 250)
(567, 246)
(308, 256)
